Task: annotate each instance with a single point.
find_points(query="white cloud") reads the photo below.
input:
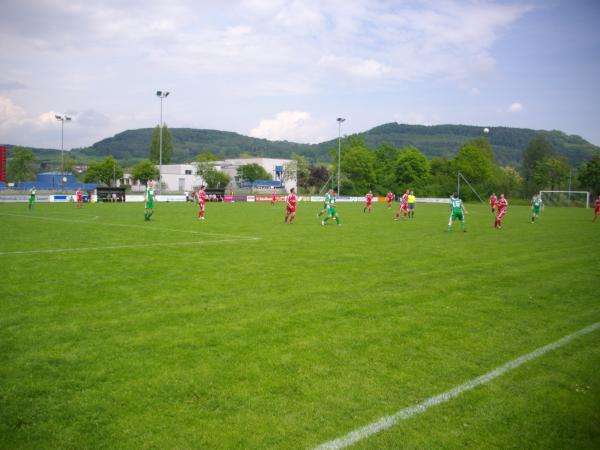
(515, 107)
(355, 67)
(11, 115)
(296, 126)
(474, 91)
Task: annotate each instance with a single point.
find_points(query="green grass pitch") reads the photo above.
(243, 332)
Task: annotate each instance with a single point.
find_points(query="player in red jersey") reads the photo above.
(493, 201)
(403, 210)
(501, 205)
(201, 196)
(273, 198)
(79, 197)
(369, 202)
(390, 199)
(596, 209)
(290, 207)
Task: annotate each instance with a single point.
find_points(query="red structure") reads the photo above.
(3, 164)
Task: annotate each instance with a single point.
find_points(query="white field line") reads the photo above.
(118, 247)
(129, 226)
(389, 421)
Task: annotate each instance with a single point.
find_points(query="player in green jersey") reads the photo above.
(31, 197)
(457, 211)
(331, 211)
(537, 206)
(149, 201)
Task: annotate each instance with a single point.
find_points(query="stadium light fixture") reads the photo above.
(62, 118)
(161, 95)
(340, 120)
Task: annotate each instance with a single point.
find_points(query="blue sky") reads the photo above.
(286, 69)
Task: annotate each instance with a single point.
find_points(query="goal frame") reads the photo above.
(587, 195)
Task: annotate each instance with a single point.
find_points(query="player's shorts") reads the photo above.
(369, 203)
(290, 209)
(32, 198)
(202, 205)
(149, 205)
(501, 214)
(537, 211)
(331, 211)
(457, 215)
(597, 210)
(404, 206)
(411, 206)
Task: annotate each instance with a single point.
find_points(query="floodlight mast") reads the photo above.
(161, 95)
(62, 118)
(340, 120)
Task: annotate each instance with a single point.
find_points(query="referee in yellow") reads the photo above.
(412, 201)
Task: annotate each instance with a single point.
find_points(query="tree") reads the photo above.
(144, 171)
(319, 175)
(215, 179)
(411, 169)
(537, 150)
(589, 175)
(206, 156)
(385, 159)
(358, 166)
(167, 145)
(509, 181)
(21, 166)
(551, 173)
(475, 160)
(104, 172)
(251, 172)
(443, 176)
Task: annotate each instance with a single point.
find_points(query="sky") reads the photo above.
(287, 69)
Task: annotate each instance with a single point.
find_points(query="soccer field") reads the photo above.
(243, 332)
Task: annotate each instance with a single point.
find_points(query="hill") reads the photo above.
(438, 140)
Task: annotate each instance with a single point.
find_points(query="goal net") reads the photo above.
(566, 198)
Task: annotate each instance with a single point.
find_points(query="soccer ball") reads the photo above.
(486, 130)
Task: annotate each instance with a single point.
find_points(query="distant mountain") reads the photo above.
(438, 140)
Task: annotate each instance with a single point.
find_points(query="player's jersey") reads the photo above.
(32, 192)
(537, 202)
(412, 199)
(330, 200)
(369, 197)
(201, 197)
(493, 200)
(292, 200)
(149, 195)
(502, 204)
(78, 194)
(456, 204)
(404, 199)
(390, 197)
(597, 206)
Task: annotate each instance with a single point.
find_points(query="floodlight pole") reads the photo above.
(339, 120)
(62, 118)
(161, 95)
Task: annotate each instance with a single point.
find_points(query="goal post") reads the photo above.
(566, 198)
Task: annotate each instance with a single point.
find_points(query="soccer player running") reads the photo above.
(501, 205)
(537, 206)
(412, 201)
(79, 197)
(596, 209)
(369, 202)
(149, 201)
(457, 211)
(31, 197)
(493, 201)
(403, 210)
(331, 210)
(201, 196)
(290, 208)
(273, 198)
(390, 199)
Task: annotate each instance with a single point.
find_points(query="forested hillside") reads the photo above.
(131, 146)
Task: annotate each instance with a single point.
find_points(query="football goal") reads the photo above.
(566, 198)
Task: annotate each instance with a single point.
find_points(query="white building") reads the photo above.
(185, 178)
(274, 166)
